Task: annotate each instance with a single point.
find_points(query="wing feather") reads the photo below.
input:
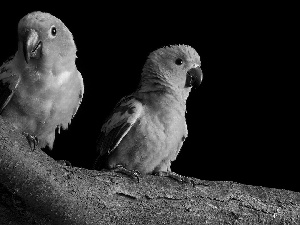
(124, 116)
(8, 83)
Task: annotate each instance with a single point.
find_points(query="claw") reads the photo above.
(32, 140)
(175, 176)
(63, 162)
(131, 173)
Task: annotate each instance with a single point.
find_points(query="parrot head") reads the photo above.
(44, 40)
(177, 67)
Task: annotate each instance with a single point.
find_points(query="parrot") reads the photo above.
(40, 86)
(146, 129)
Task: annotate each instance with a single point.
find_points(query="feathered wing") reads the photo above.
(123, 117)
(8, 83)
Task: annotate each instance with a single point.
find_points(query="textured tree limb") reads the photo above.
(37, 190)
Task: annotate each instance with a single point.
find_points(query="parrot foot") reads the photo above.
(131, 173)
(175, 176)
(32, 140)
(63, 162)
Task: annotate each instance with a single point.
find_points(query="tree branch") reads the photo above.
(35, 189)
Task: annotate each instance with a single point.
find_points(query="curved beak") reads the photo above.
(194, 77)
(31, 45)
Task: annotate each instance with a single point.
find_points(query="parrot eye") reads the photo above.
(178, 61)
(52, 33)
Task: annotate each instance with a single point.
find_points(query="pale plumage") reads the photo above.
(40, 87)
(146, 129)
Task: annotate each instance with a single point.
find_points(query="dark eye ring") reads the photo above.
(178, 61)
(53, 31)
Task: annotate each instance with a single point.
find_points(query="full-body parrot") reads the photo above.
(146, 129)
(40, 86)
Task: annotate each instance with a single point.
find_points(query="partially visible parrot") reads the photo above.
(40, 86)
(146, 129)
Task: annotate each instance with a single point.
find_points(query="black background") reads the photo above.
(242, 119)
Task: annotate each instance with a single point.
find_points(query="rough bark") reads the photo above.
(35, 189)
